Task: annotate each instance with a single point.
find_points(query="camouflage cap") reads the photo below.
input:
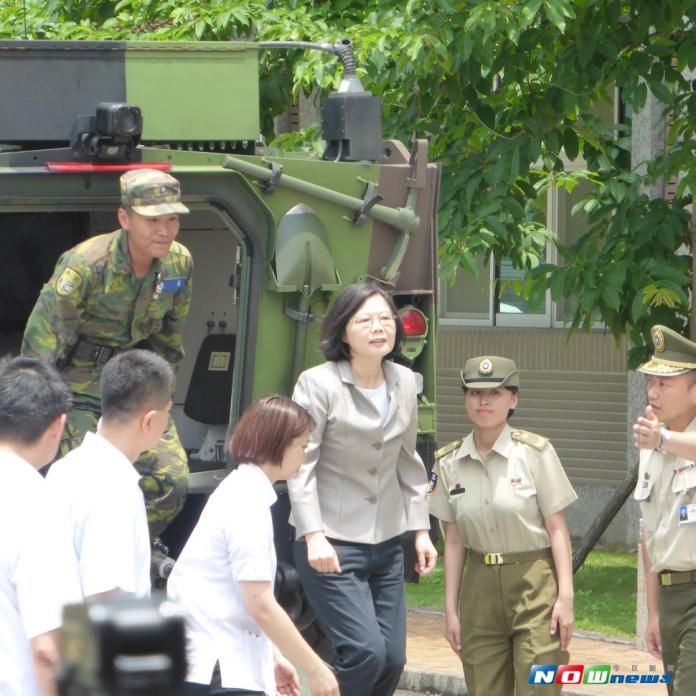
(151, 192)
(673, 354)
(489, 372)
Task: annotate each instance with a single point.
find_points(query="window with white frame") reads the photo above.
(490, 299)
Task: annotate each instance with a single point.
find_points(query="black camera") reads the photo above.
(111, 135)
(122, 646)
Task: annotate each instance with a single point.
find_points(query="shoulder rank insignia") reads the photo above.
(447, 449)
(531, 439)
(68, 282)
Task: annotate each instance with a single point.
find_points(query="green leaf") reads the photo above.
(465, 44)
(537, 296)
(555, 14)
(469, 264)
(514, 168)
(571, 144)
(661, 92)
(637, 307)
(556, 285)
(611, 297)
(528, 13)
(497, 226)
(640, 96)
(617, 189)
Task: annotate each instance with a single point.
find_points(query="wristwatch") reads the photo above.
(665, 437)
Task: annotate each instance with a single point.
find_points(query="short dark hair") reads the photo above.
(32, 395)
(342, 310)
(134, 381)
(266, 429)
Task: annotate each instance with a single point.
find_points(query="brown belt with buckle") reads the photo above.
(508, 558)
(676, 577)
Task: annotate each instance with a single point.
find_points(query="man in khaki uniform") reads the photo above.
(666, 490)
(501, 494)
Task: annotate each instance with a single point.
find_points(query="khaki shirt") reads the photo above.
(505, 498)
(666, 482)
(363, 480)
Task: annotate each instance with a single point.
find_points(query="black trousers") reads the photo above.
(191, 689)
(215, 687)
(362, 610)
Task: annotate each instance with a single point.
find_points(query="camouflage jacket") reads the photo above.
(94, 294)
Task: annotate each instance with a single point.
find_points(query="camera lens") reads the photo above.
(128, 120)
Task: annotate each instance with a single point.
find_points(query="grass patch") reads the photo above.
(605, 593)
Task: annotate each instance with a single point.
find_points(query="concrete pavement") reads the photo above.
(434, 669)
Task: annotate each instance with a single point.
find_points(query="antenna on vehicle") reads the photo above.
(24, 3)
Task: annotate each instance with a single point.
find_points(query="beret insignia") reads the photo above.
(658, 339)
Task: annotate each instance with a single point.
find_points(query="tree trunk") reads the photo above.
(599, 526)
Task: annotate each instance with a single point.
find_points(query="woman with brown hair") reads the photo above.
(225, 573)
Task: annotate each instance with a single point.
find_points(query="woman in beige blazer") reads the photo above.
(362, 487)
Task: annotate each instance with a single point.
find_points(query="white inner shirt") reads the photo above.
(380, 399)
(98, 489)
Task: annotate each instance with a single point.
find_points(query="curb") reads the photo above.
(445, 684)
(440, 683)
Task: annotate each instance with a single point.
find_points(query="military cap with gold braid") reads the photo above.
(489, 372)
(674, 355)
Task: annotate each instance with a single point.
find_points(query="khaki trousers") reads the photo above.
(677, 606)
(505, 613)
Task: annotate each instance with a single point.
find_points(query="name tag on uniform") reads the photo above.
(170, 285)
(457, 489)
(687, 513)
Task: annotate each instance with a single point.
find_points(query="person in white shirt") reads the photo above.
(225, 573)
(38, 571)
(97, 485)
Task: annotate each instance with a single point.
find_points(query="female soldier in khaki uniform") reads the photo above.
(501, 494)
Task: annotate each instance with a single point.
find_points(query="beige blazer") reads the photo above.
(363, 480)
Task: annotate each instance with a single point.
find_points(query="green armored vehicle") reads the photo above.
(273, 237)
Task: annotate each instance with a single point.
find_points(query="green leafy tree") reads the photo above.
(506, 90)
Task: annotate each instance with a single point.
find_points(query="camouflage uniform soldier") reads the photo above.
(115, 291)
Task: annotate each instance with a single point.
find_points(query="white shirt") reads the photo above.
(38, 571)
(232, 543)
(379, 398)
(97, 487)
